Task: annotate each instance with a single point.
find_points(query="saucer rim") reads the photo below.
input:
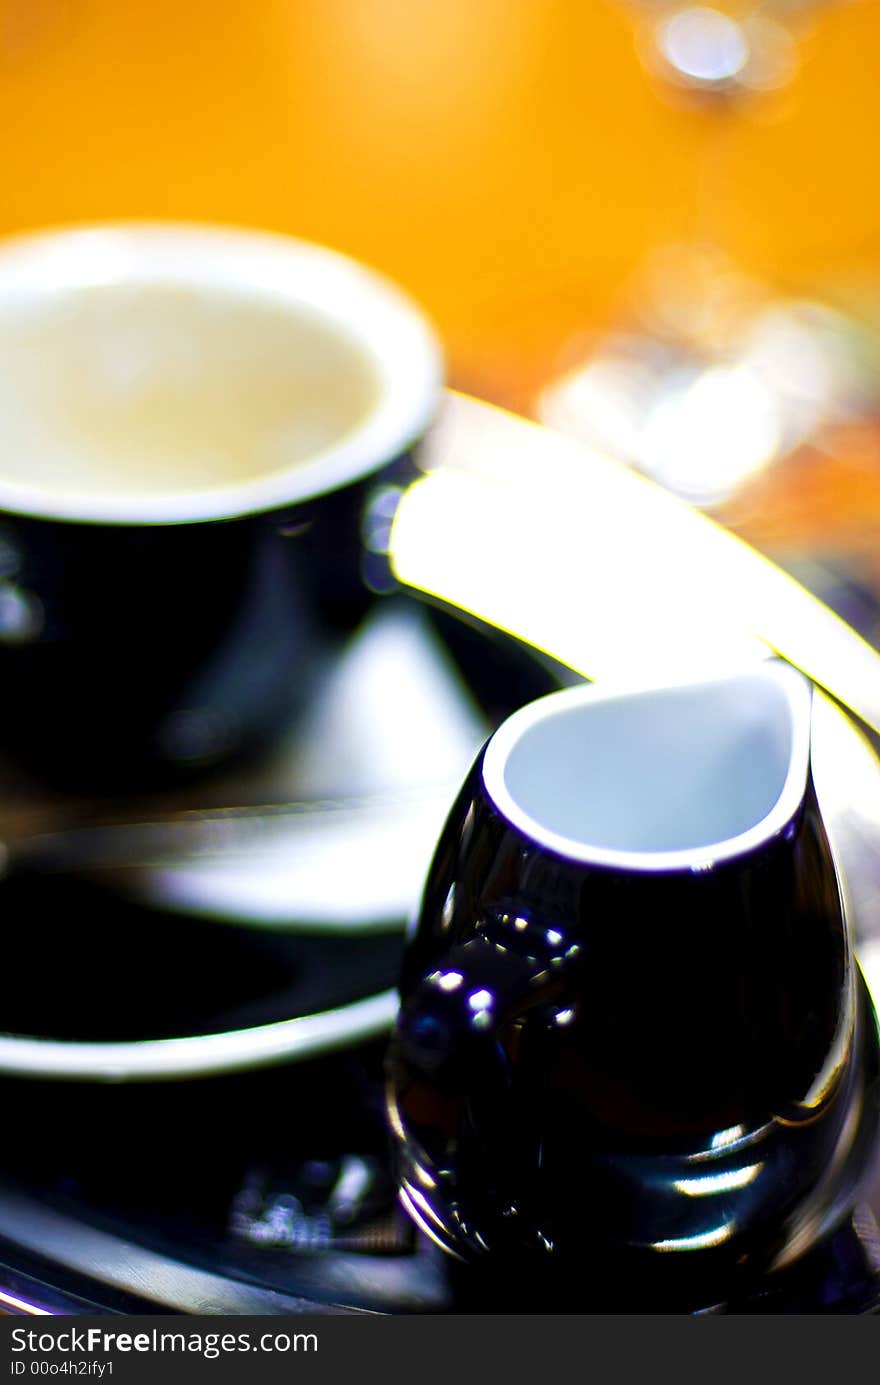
(198, 1055)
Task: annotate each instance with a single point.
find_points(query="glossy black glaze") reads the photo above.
(678, 1067)
(139, 653)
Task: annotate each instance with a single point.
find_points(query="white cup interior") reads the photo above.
(155, 373)
(657, 777)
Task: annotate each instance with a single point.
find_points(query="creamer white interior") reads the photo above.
(654, 778)
(140, 390)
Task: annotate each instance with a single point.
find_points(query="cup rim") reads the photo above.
(797, 692)
(372, 312)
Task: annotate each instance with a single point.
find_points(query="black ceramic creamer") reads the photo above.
(632, 1030)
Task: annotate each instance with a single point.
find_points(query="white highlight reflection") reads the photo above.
(449, 980)
(716, 1237)
(480, 1000)
(703, 44)
(728, 1136)
(709, 1183)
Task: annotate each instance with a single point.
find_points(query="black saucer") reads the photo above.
(141, 977)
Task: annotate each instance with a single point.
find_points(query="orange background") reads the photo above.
(508, 161)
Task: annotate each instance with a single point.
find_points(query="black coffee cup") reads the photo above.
(194, 422)
(632, 1031)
